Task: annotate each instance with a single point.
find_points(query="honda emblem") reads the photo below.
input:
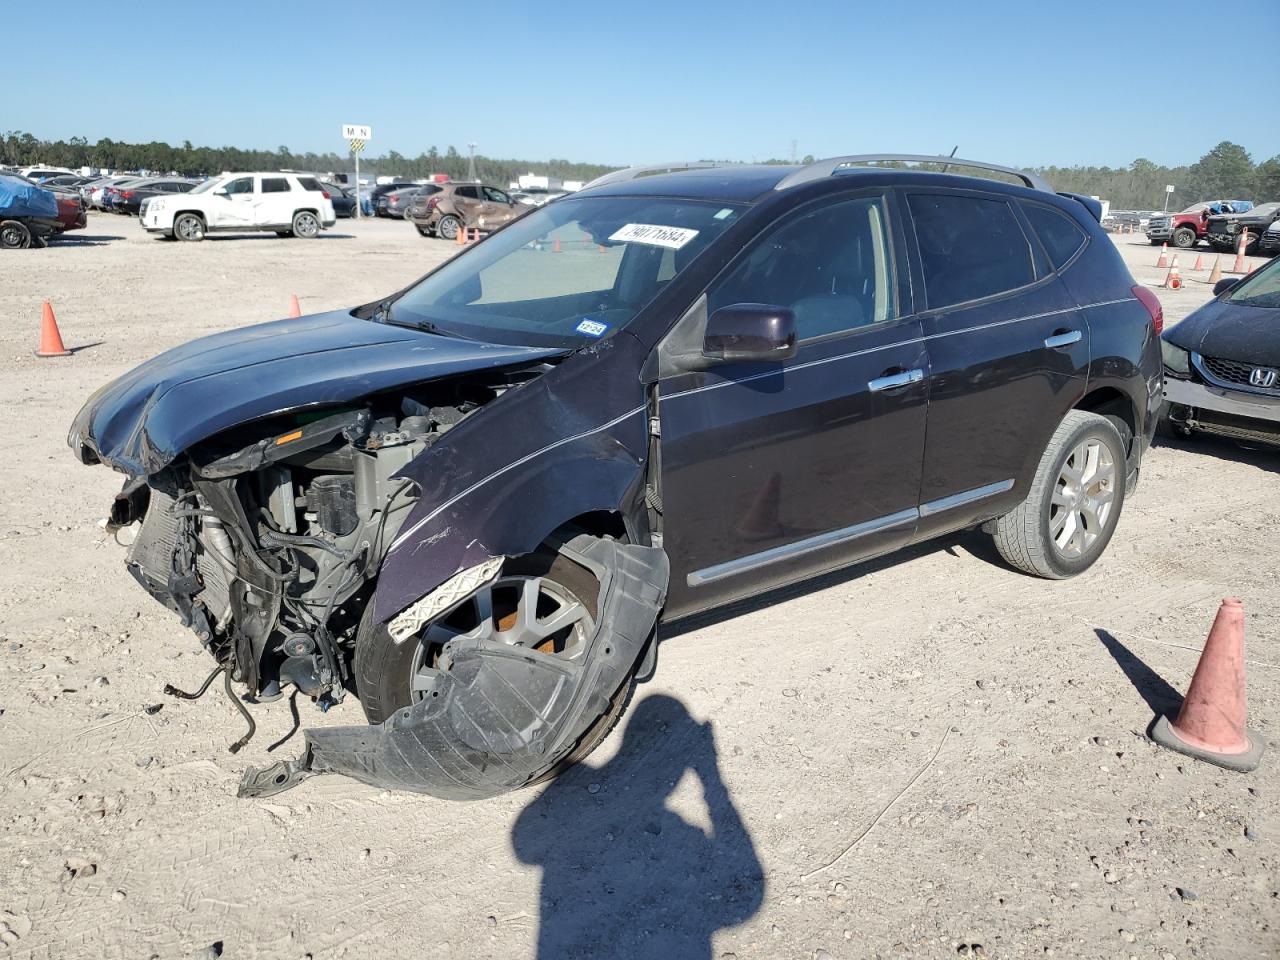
(1264, 377)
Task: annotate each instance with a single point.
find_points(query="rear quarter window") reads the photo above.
(310, 183)
(970, 248)
(1062, 237)
(275, 185)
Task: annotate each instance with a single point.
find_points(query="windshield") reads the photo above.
(573, 271)
(1261, 289)
(207, 185)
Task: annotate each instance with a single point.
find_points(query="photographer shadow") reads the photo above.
(623, 875)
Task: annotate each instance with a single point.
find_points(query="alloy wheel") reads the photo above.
(533, 612)
(1080, 508)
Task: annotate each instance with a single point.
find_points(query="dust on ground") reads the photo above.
(1040, 822)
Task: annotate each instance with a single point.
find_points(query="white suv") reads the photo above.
(287, 203)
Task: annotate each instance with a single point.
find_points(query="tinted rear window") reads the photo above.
(310, 183)
(970, 248)
(1061, 235)
(275, 185)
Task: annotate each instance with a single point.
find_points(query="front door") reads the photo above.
(234, 207)
(774, 472)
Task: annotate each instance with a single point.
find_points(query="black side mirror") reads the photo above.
(750, 333)
(1225, 284)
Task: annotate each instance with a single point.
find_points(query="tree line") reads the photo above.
(1227, 172)
(20, 149)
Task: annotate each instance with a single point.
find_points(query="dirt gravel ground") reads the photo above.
(1037, 821)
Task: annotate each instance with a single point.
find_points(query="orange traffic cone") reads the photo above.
(1211, 723)
(295, 309)
(1199, 265)
(1173, 279)
(1252, 267)
(50, 339)
(556, 246)
(1216, 273)
(1238, 266)
(1164, 256)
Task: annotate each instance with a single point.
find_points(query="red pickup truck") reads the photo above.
(1183, 229)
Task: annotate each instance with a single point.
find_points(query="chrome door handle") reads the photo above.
(1063, 339)
(895, 380)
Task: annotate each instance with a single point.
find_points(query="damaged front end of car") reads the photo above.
(267, 484)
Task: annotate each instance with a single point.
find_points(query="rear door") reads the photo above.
(774, 472)
(276, 201)
(466, 201)
(1009, 351)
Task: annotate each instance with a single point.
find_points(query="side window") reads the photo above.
(240, 186)
(275, 185)
(1061, 236)
(310, 183)
(495, 196)
(970, 247)
(830, 266)
(467, 193)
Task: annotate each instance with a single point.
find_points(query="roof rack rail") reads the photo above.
(825, 168)
(631, 173)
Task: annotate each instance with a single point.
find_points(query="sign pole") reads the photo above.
(359, 212)
(356, 135)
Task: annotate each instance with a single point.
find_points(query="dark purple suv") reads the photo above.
(471, 504)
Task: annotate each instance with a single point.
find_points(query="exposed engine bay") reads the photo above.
(267, 539)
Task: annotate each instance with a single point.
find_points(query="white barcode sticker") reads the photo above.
(654, 235)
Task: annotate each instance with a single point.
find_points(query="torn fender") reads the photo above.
(497, 716)
(571, 442)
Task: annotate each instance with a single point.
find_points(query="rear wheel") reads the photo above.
(448, 227)
(306, 225)
(188, 227)
(14, 235)
(542, 600)
(1074, 503)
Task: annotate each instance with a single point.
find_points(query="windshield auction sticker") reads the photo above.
(672, 237)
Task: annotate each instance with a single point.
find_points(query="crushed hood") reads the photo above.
(1231, 331)
(140, 422)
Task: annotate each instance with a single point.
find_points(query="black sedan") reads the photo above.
(129, 199)
(1222, 363)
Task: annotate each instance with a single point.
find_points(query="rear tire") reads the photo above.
(1074, 504)
(306, 225)
(448, 227)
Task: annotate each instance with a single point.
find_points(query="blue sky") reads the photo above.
(626, 82)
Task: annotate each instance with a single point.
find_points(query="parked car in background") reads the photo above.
(1187, 227)
(70, 206)
(1222, 363)
(480, 494)
(40, 174)
(112, 190)
(456, 205)
(397, 202)
(288, 204)
(344, 203)
(1225, 229)
(1271, 239)
(377, 192)
(129, 199)
(70, 180)
(29, 214)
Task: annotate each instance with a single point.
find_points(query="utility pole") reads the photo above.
(793, 151)
(471, 162)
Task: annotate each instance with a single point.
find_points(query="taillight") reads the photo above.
(126, 194)
(1152, 303)
(433, 202)
(325, 194)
